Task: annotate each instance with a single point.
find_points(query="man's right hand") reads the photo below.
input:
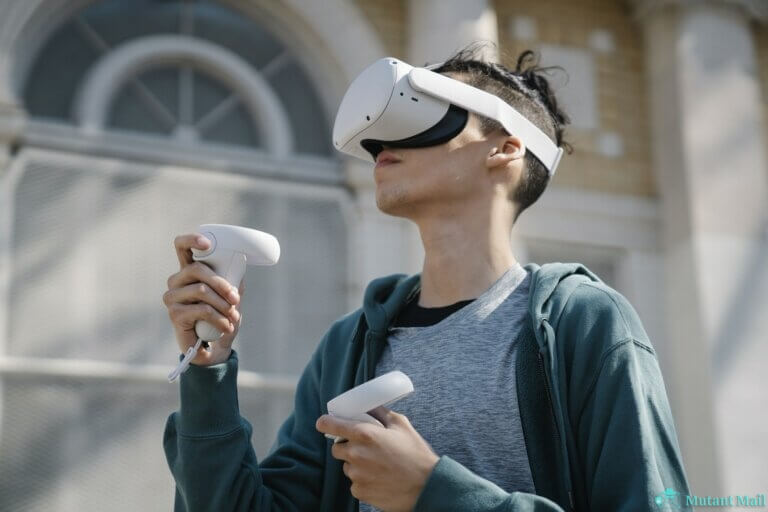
(195, 293)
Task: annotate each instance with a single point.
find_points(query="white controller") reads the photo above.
(355, 403)
(232, 247)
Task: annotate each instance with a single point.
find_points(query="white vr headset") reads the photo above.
(394, 104)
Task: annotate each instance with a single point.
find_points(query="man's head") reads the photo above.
(482, 161)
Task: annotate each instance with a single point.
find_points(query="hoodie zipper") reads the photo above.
(543, 374)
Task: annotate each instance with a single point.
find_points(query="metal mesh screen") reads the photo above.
(79, 445)
(90, 255)
(92, 250)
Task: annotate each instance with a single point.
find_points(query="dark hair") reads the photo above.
(528, 91)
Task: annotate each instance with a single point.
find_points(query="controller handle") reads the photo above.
(355, 403)
(232, 248)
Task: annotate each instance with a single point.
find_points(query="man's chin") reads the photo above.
(393, 201)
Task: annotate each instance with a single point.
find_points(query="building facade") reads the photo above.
(123, 124)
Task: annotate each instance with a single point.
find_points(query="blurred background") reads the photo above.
(124, 123)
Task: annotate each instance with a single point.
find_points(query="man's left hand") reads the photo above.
(389, 465)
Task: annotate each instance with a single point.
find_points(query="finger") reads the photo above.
(184, 245)
(201, 292)
(341, 451)
(199, 272)
(187, 315)
(348, 429)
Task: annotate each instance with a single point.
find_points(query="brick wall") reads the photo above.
(619, 80)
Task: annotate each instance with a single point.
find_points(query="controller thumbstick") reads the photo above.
(202, 253)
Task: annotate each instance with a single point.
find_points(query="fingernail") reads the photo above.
(233, 296)
(201, 240)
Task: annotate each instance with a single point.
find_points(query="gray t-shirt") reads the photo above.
(464, 402)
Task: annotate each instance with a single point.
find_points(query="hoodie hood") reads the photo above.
(551, 286)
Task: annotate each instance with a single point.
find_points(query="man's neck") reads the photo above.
(462, 259)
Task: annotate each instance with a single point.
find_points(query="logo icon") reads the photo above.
(670, 498)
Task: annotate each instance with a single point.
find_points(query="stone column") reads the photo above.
(24, 26)
(707, 140)
(437, 28)
(12, 120)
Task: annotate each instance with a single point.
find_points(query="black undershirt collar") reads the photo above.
(413, 315)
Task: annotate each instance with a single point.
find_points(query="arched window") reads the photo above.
(231, 83)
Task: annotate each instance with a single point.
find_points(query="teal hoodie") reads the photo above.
(598, 429)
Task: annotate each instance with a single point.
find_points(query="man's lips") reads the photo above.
(384, 163)
(385, 158)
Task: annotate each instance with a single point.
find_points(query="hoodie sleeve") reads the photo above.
(208, 447)
(451, 487)
(618, 409)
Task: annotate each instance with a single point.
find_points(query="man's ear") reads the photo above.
(512, 148)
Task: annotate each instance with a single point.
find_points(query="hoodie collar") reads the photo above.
(385, 296)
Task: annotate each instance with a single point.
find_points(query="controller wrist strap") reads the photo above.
(184, 363)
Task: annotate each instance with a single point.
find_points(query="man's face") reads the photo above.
(444, 179)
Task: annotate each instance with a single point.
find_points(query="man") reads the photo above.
(536, 388)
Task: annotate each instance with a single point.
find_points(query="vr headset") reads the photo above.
(394, 104)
